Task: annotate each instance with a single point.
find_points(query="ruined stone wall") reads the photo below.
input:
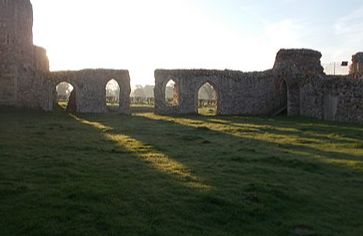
(356, 69)
(256, 93)
(237, 92)
(90, 89)
(295, 66)
(335, 98)
(25, 80)
(311, 93)
(8, 66)
(296, 82)
(41, 62)
(23, 66)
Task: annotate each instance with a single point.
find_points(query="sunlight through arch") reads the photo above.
(112, 95)
(172, 93)
(207, 100)
(65, 95)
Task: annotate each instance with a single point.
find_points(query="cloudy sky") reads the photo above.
(141, 35)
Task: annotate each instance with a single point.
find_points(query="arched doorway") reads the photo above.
(207, 100)
(284, 99)
(112, 96)
(282, 107)
(172, 93)
(65, 97)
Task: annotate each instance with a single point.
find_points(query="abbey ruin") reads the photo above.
(296, 83)
(25, 79)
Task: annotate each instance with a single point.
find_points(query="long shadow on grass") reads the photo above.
(164, 179)
(184, 143)
(223, 204)
(296, 126)
(264, 133)
(169, 135)
(247, 176)
(75, 181)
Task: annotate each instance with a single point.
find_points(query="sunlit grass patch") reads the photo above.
(144, 174)
(330, 145)
(63, 105)
(207, 111)
(146, 153)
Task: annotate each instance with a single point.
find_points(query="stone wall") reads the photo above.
(90, 89)
(311, 93)
(296, 83)
(257, 93)
(335, 98)
(23, 66)
(295, 66)
(356, 69)
(41, 62)
(25, 80)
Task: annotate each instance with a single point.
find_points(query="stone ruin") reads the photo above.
(25, 79)
(23, 66)
(89, 93)
(356, 69)
(296, 83)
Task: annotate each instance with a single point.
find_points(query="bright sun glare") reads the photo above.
(143, 35)
(137, 35)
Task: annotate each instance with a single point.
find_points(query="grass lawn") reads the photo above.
(207, 111)
(146, 174)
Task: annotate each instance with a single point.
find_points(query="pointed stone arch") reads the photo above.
(65, 96)
(207, 97)
(171, 93)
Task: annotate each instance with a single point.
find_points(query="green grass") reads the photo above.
(207, 111)
(146, 174)
(62, 105)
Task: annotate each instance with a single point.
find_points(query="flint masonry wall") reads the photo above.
(296, 82)
(25, 80)
(23, 66)
(256, 93)
(238, 93)
(89, 92)
(294, 67)
(335, 98)
(356, 69)
(311, 93)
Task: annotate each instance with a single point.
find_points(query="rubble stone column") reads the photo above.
(293, 66)
(356, 68)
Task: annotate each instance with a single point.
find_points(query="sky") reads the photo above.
(143, 35)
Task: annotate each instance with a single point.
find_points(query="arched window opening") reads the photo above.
(112, 95)
(65, 96)
(207, 100)
(172, 93)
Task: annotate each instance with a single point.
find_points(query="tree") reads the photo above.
(207, 92)
(139, 92)
(149, 91)
(63, 89)
(113, 90)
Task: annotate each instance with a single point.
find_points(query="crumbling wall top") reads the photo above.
(356, 69)
(230, 74)
(306, 61)
(357, 58)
